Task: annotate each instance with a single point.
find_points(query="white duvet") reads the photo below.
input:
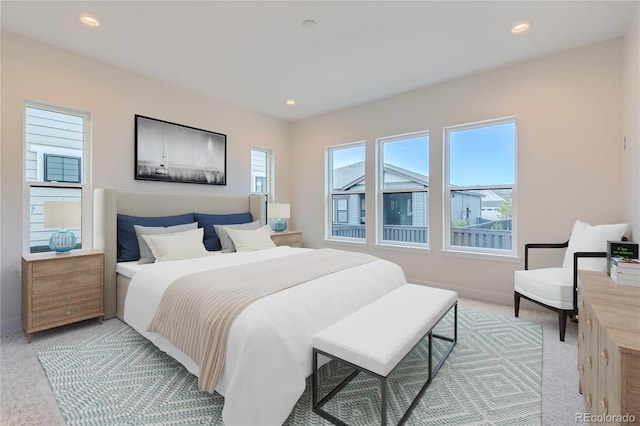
(269, 346)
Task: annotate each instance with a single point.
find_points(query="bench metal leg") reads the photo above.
(453, 340)
(383, 409)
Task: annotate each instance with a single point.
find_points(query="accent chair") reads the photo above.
(556, 288)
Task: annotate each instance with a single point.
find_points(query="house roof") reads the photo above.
(353, 174)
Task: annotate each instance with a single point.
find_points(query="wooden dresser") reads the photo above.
(287, 238)
(609, 349)
(60, 289)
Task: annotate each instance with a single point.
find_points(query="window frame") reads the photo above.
(269, 164)
(448, 189)
(329, 206)
(380, 191)
(86, 176)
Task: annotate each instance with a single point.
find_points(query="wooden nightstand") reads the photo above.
(60, 289)
(287, 238)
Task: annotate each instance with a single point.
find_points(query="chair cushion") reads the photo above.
(586, 237)
(551, 286)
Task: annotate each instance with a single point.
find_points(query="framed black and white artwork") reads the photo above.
(172, 152)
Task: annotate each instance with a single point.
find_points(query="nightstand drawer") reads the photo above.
(48, 301)
(63, 266)
(64, 313)
(62, 283)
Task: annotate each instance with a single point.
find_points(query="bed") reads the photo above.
(268, 353)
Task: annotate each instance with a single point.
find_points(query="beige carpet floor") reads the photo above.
(27, 399)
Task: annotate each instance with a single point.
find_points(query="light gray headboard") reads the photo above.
(108, 202)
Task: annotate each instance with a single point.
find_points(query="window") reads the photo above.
(403, 184)
(480, 183)
(56, 146)
(346, 183)
(61, 169)
(261, 170)
(341, 205)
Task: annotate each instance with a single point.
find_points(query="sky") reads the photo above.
(479, 156)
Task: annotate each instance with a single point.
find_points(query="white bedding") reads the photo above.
(129, 269)
(269, 346)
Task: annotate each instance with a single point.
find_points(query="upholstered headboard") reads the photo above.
(108, 202)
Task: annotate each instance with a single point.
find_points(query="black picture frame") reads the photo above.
(171, 152)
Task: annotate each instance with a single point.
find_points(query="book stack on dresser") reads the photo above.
(625, 271)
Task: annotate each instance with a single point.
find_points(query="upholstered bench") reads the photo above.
(377, 337)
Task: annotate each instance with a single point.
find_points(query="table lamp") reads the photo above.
(62, 215)
(278, 212)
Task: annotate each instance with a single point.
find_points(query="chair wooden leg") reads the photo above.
(563, 324)
(516, 303)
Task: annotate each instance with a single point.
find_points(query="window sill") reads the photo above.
(345, 242)
(510, 258)
(398, 247)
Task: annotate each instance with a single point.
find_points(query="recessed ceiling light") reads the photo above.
(290, 102)
(90, 20)
(309, 24)
(520, 27)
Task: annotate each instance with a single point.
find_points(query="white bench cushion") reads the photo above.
(551, 286)
(378, 336)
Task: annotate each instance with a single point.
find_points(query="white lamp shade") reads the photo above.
(62, 214)
(279, 210)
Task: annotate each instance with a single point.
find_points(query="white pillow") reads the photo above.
(248, 240)
(146, 256)
(225, 241)
(585, 237)
(177, 246)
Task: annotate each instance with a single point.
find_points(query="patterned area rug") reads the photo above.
(492, 377)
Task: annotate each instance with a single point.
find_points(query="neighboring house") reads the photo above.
(469, 207)
(491, 204)
(466, 207)
(401, 208)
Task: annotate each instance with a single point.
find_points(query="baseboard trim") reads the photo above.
(471, 293)
(9, 325)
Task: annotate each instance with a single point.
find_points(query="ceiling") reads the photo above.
(257, 54)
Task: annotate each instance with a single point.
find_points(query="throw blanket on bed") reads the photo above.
(196, 311)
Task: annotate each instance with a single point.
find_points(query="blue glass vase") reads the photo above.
(278, 225)
(62, 241)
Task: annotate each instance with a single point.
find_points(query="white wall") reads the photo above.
(36, 71)
(569, 109)
(631, 163)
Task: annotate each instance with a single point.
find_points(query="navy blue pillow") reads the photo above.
(128, 242)
(206, 221)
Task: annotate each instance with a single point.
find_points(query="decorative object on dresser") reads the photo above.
(278, 212)
(58, 290)
(609, 348)
(62, 215)
(287, 238)
(623, 249)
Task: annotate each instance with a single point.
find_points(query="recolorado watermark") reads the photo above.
(605, 418)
